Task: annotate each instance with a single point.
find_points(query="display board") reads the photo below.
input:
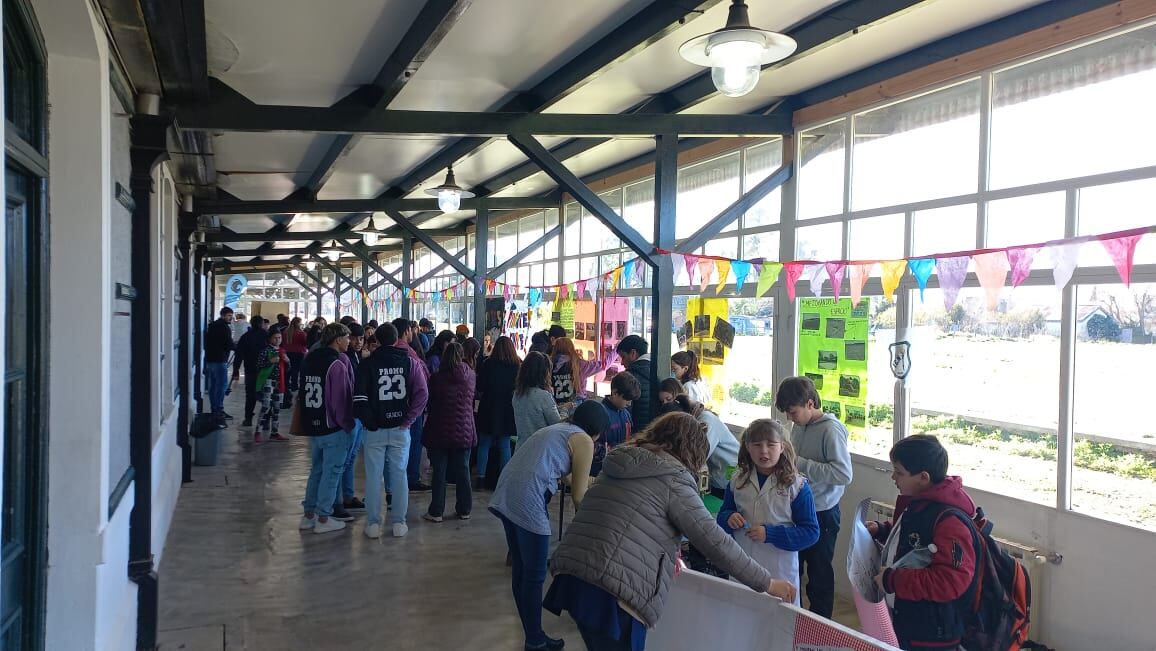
(563, 315)
(585, 332)
(833, 353)
(710, 335)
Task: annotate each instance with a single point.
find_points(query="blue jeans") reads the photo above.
(386, 451)
(484, 443)
(347, 473)
(327, 454)
(216, 381)
(529, 553)
(413, 469)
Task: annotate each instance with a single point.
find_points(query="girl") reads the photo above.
(684, 365)
(534, 405)
(571, 372)
(496, 425)
(271, 371)
(449, 433)
(616, 562)
(295, 346)
(668, 390)
(433, 358)
(768, 506)
(472, 352)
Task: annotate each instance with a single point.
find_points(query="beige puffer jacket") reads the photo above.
(625, 536)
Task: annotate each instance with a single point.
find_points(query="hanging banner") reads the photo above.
(833, 353)
(614, 319)
(710, 335)
(563, 314)
(234, 289)
(585, 333)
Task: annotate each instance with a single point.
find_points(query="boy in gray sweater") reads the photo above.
(820, 441)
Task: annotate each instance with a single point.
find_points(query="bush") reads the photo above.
(881, 414)
(1102, 327)
(744, 392)
(766, 400)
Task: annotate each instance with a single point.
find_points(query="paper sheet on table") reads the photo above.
(863, 563)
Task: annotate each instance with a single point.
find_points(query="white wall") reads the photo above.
(1100, 597)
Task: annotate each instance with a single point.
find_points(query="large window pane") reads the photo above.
(762, 160)
(821, 170)
(877, 238)
(944, 230)
(572, 229)
(987, 384)
(822, 242)
(1117, 207)
(726, 247)
(1024, 220)
(530, 231)
(922, 148)
(1037, 104)
(761, 245)
(638, 207)
(704, 189)
(1114, 458)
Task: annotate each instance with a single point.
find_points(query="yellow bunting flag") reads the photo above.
(615, 276)
(724, 270)
(892, 272)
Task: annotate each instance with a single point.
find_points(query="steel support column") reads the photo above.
(481, 265)
(662, 273)
(198, 325)
(365, 292)
(406, 270)
(184, 365)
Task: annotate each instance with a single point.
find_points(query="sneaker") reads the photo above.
(277, 436)
(431, 518)
(332, 524)
(248, 422)
(257, 438)
(373, 531)
(227, 415)
(339, 513)
(551, 644)
(354, 504)
(400, 529)
(463, 516)
(419, 488)
(306, 523)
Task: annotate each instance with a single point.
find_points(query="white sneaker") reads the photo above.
(400, 529)
(329, 525)
(373, 531)
(306, 523)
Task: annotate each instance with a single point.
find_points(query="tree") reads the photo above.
(1102, 327)
(1140, 314)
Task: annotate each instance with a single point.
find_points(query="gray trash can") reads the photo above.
(207, 449)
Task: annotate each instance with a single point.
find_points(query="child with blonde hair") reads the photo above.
(768, 506)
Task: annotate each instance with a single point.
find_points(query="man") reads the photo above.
(632, 350)
(218, 345)
(556, 332)
(347, 498)
(424, 335)
(326, 399)
(282, 324)
(406, 334)
(391, 393)
(249, 347)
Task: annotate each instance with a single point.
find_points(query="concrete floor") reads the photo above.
(237, 574)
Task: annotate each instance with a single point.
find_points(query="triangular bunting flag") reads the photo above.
(921, 268)
(991, 269)
(859, 275)
(676, 264)
(580, 288)
(705, 269)
(1020, 261)
(835, 273)
(892, 273)
(794, 271)
(628, 272)
(563, 291)
(815, 274)
(740, 268)
(951, 272)
(640, 273)
(691, 263)
(723, 268)
(592, 288)
(1065, 257)
(767, 277)
(1122, 250)
(615, 277)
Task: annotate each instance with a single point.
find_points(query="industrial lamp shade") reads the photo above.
(449, 194)
(370, 233)
(333, 252)
(736, 53)
(310, 265)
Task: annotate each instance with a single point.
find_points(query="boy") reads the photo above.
(624, 389)
(929, 604)
(820, 441)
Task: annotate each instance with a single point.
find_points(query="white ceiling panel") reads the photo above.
(247, 223)
(503, 46)
(376, 161)
(310, 222)
(302, 52)
(266, 165)
(257, 187)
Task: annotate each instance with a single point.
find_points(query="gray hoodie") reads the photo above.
(824, 459)
(625, 537)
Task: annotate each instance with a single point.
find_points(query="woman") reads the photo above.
(472, 351)
(314, 333)
(295, 345)
(684, 365)
(495, 393)
(616, 561)
(668, 389)
(521, 499)
(449, 432)
(433, 357)
(722, 446)
(533, 402)
(571, 372)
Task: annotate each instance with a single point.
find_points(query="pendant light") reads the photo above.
(370, 233)
(295, 272)
(332, 251)
(736, 53)
(310, 265)
(449, 194)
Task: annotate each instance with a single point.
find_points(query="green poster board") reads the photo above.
(563, 315)
(833, 353)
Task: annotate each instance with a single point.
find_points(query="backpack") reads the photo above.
(999, 616)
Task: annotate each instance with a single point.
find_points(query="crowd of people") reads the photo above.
(634, 463)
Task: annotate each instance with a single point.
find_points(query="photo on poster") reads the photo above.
(855, 417)
(724, 332)
(682, 337)
(855, 350)
(620, 327)
(836, 328)
(556, 317)
(816, 379)
(849, 386)
(579, 330)
(833, 408)
(713, 352)
(608, 330)
(702, 325)
(811, 321)
(696, 348)
(828, 360)
(591, 331)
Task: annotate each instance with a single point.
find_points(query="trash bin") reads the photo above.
(206, 435)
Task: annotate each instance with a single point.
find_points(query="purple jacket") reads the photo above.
(339, 393)
(587, 368)
(451, 409)
(419, 395)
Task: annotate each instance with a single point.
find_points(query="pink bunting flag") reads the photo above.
(1122, 250)
(1020, 261)
(835, 272)
(563, 292)
(691, 263)
(815, 274)
(705, 270)
(859, 275)
(1064, 260)
(677, 265)
(951, 272)
(794, 271)
(580, 288)
(991, 269)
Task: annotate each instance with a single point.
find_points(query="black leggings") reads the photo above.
(815, 563)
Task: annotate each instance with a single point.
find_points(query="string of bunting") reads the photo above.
(991, 267)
